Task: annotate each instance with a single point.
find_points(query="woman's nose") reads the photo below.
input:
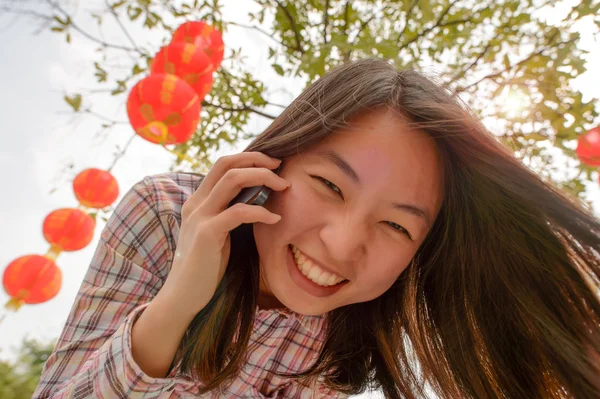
(345, 239)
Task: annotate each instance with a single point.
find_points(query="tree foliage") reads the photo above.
(18, 379)
(488, 52)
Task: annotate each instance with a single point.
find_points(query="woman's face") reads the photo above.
(360, 204)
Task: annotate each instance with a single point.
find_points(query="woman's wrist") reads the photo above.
(157, 334)
(171, 311)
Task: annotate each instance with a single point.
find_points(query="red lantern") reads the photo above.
(189, 63)
(204, 36)
(95, 188)
(164, 109)
(31, 279)
(69, 229)
(588, 147)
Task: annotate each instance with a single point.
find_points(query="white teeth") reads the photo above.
(314, 272)
(332, 279)
(324, 278)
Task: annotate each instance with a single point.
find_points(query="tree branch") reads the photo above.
(245, 108)
(363, 25)
(29, 13)
(325, 21)
(122, 152)
(408, 17)
(462, 73)
(346, 54)
(276, 105)
(437, 24)
(256, 28)
(105, 118)
(114, 13)
(87, 35)
(523, 61)
(293, 24)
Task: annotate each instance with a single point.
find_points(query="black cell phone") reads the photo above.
(256, 195)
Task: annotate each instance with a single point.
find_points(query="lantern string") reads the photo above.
(53, 252)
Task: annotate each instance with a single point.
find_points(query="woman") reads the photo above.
(402, 247)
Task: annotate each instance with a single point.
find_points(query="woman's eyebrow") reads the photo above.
(414, 210)
(341, 163)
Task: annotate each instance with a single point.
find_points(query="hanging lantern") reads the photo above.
(187, 61)
(31, 279)
(95, 188)
(69, 229)
(588, 147)
(163, 109)
(204, 36)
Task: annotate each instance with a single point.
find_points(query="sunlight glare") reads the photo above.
(514, 103)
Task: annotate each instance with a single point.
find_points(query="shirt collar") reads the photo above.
(313, 324)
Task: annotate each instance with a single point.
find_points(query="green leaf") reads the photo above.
(118, 4)
(425, 6)
(98, 18)
(74, 101)
(537, 136)
(57, 29)
(64, 23)
(278, 68)
(101, 74)
(121, 87)
(137, 70)
(134, 13)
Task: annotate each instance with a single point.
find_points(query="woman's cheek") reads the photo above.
(297, 203)
(377, 280)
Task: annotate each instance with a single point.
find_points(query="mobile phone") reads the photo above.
(256, 195)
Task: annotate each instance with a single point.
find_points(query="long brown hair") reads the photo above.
(501, 299)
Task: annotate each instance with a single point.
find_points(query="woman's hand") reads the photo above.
(203, 245)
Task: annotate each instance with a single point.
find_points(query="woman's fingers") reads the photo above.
(223, 164)
(239, 214)
(236, 180)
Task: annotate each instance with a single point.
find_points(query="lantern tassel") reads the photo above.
(53, 252)
(14, 304)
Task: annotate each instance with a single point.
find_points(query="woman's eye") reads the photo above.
(331, 186)
(399, 228)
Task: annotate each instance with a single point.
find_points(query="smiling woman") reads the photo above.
(360, 204)
(399, 236)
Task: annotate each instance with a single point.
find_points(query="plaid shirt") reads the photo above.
(93, 356)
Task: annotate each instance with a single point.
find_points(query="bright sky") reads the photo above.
(41, 137)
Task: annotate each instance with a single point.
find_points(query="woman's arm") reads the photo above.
(157, 333)
(93, 357)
